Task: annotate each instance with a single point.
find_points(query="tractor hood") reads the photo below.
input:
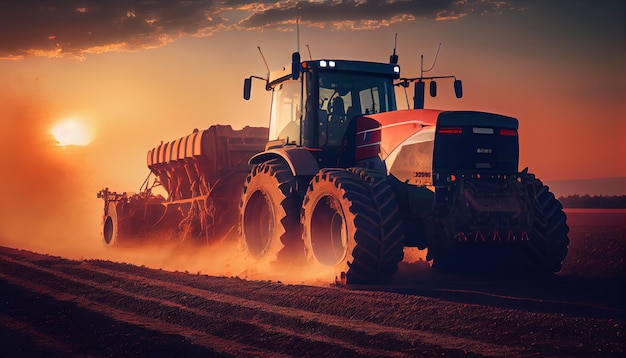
(381, 133)
(407, 140)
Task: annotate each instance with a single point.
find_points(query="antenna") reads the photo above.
(309, 49)
(434, 61)
(393, 59)
(264, 61)
(298, 29)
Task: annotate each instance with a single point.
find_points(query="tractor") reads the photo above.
(343, 178)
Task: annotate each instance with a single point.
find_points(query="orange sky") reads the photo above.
(137, 73)
(145, 72)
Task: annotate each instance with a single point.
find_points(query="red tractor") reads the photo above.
(345, 179)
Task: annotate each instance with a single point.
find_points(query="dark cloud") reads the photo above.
(73, 28)
(335, 14)
(368, 14)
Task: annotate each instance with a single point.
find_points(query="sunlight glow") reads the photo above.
(71, 132)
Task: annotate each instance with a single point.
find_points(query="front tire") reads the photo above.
(268, 213)
(352, 223)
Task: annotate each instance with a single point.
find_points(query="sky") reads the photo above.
(135, 73)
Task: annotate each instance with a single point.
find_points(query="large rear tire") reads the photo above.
(550, 230)
(351, 221)
(268, 213)
(539, 256)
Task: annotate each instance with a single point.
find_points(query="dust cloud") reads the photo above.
(43, 206)
(49, 206)
(221, 258)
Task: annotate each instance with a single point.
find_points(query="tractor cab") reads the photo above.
(314, 104)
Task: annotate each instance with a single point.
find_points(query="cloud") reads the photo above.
(74, 28)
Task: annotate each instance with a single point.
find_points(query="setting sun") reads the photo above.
(71, 132)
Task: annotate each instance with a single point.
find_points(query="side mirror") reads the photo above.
(418, 96)
(433, 89)
(458, 88)
(247, 88)
(295, 65)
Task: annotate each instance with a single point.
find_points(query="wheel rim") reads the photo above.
(108, 230)
(258, 223)
(329, 237)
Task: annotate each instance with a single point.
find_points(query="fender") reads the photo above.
(300, 160)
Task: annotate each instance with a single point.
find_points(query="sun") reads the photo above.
(71, 132)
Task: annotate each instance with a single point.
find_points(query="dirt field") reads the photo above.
(51, 306)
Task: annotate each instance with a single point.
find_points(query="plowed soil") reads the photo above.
(53, 306)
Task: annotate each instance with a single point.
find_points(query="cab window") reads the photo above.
(286, 111)
(343, 96)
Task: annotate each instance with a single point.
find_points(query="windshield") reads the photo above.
(285, 114)
(343, 96)
(361, 94)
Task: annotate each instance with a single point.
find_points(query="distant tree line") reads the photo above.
(594, 202)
